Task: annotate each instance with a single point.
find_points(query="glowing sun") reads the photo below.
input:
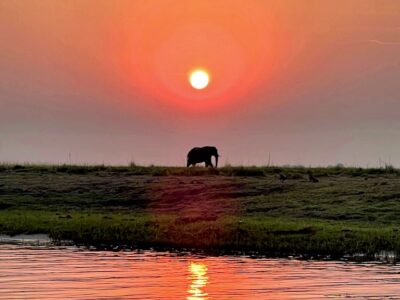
(199, 79)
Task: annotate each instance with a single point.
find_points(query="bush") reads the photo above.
(248, 171)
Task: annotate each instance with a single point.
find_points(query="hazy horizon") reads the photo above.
(305, 82)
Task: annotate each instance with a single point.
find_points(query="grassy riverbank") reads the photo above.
(348, 211)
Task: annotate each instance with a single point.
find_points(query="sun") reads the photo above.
(199, 79)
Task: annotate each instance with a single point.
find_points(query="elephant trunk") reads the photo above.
(216, 161)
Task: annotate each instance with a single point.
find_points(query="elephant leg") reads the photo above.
(209, 163)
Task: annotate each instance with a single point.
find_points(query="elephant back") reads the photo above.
(193, 151)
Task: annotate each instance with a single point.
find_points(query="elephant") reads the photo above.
(202, 154)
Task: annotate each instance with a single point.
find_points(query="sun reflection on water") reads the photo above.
(199, 279)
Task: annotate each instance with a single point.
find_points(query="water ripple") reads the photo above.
(71, 273)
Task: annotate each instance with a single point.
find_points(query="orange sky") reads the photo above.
(309, 81)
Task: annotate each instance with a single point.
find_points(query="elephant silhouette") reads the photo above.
(202, 154)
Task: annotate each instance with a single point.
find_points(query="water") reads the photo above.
(72, 273)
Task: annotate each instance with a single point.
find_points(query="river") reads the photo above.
(44, 272)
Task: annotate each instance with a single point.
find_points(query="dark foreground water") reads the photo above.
(71, 273)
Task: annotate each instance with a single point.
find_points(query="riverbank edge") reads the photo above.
(257, 236)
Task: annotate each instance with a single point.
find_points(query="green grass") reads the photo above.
(349, 211)
(273, 236)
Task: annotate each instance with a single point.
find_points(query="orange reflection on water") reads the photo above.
(199, 279)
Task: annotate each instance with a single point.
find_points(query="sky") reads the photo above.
(297, 82)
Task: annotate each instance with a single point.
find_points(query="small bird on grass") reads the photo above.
(311, 178)
(282, 177)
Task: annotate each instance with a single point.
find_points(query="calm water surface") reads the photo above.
(71, 273)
